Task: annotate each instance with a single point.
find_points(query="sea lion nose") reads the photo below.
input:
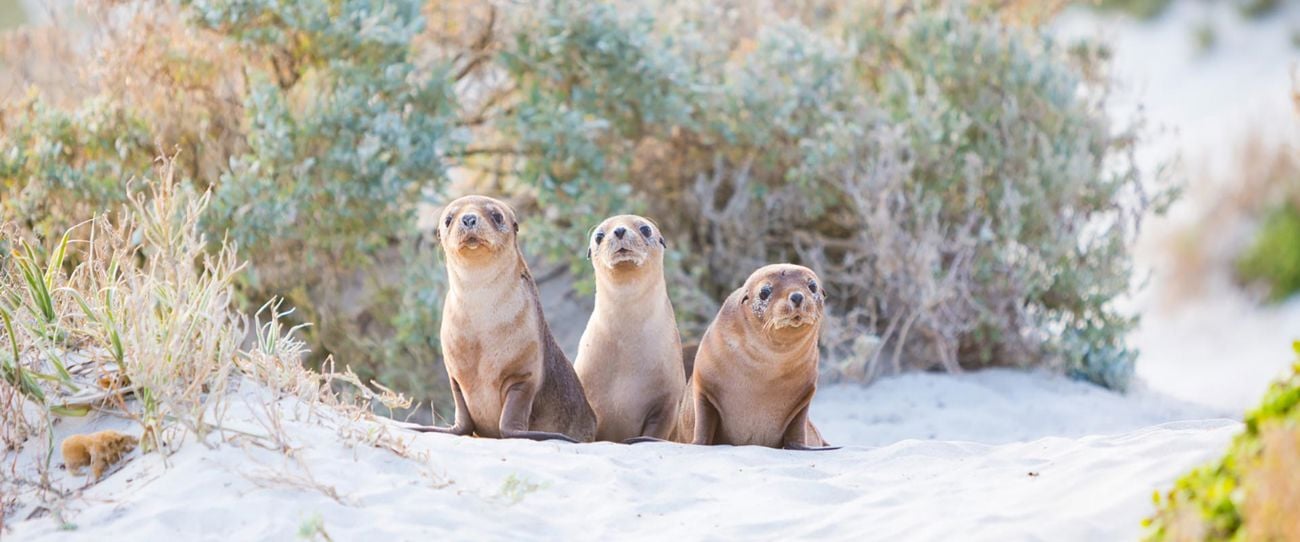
(619, 232)
(469, 220)
(796, 298)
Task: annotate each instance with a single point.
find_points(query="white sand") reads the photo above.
(884, 483)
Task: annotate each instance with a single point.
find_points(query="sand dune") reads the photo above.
(1033, 478)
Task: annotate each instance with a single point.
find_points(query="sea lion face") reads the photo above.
(625, 243)
(784, 298)
(474, 228)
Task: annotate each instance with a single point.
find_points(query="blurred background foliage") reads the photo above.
(1248, 224)
(1146, 9)
(1273, 257)
(947, 169)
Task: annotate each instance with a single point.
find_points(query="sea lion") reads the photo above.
(630, 356)
(98, 451)
(509, 378)
(755, 371)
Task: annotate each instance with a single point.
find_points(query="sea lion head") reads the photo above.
(784, 299)
(626, 243)
(477, 228)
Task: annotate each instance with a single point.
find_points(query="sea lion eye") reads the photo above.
(498, 217)
(600, 236)
(646, 231)
(812, 286)
(765, 292)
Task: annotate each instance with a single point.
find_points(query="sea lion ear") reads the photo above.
(516, 222)
(744, 300)
(588, 253)
(662, 243)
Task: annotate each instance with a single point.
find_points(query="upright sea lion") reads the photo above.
(756, 368)
(630, 357)
(509, 378)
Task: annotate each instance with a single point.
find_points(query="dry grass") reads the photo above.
(145, 314)
(140, 328)
(1273, 486)
(298, 475)
(155, 306)
(143, 328)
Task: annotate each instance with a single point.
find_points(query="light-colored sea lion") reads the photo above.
(630, 356)
(756, 368)
(509, 378)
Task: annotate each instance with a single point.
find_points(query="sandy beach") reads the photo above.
(937, 457)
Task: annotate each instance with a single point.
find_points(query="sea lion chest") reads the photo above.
(630, 366)
(491, 340)
(760, 397)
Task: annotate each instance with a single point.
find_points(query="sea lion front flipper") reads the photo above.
(802, 448)
(516, 411)
(464, 423)
(538, 435)
(796, 434)
(706, 420)
(656, 426)
(642, 440)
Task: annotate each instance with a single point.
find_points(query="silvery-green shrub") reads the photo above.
(955, 182)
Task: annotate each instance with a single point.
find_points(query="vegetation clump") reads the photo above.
(1252, 493)
(144, 327)
(952, 177)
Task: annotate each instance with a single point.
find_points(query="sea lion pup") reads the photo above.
(756, 368)
(509, 378)
(630, 356)
(98, 451)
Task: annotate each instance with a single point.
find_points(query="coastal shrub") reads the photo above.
(344, 137)
(1147, 9)
(1142, 9)
(1253, 491)
(953, 178)
(318, 131)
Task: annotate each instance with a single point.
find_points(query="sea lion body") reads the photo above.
(99, 451)
(755, 371)
(630, 356)
(509, 378)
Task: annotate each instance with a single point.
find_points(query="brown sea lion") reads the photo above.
(98, 451)
(509, 378)
(630, 356)
(755, 371)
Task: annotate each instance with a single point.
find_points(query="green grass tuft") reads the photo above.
(1273, 259)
